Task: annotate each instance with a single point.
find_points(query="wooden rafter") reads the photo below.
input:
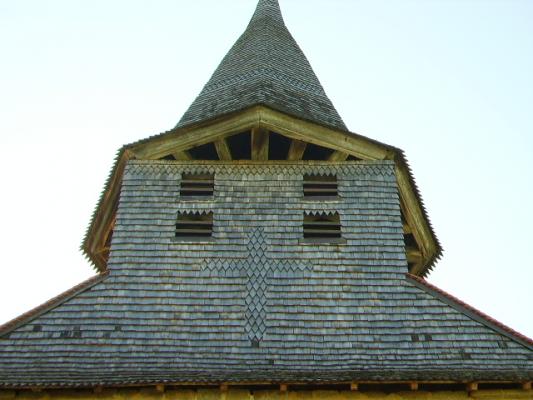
(296, 150)
(223, 150)
(182, 155)
(180, 140)
(338, 156)
(414, 256)
(260, 141)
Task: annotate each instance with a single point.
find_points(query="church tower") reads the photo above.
(261, 249)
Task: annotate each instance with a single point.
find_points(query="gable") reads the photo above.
(257, 134)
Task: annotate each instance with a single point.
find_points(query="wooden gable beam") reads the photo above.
(223, 150)
(260, 141)
(296, 150)
(182, 155)
(338, 156)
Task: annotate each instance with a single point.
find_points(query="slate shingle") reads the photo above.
(257, 303)
(265, 66)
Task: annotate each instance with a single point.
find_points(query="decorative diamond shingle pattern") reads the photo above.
(265, 66)
(257, 269)
(161, 316)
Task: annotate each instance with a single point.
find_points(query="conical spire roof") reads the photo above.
(265, 66)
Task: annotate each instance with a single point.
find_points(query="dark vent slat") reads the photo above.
(197, 185)
(320, 186)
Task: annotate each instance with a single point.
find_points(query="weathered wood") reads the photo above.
(182, 155)
(414, 255)
(338, 156)
(260, 142)
(472, 386)
(182, 139)
(223, 150)
(414, 216)
(296, 150)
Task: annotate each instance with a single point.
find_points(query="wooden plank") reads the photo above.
(223, 150)
(472, 386)
(296, 150)
(260, 141)
(413, 255)
(338, 156)
(182, 155)
(356, 145)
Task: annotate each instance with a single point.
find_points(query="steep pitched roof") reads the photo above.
(265, 66)
(256, 303)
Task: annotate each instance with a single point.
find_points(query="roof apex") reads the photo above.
(267, 9)
(265, 66)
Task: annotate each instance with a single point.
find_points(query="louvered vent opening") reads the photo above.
(319, 187)
(197, 185)
(194, 225)
(322, 226)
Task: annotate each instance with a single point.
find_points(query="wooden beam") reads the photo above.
(260, 141)
(413, 386)
(338, 156)
(223, 150)
(472, 386)
(296, 150)
(413, 255)
(354, 386)
(182, 155)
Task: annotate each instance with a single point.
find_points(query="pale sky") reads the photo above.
(448, 81)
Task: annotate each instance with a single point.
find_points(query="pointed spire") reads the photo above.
(267, 9)
(265, 66)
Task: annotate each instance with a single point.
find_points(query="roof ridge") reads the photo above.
(52, 303)
(472, 312)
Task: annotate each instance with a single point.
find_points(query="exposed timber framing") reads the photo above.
(260, 142)
(223, 150)
(296, 150)
(338, 156)
(260, 119)
(182, 155)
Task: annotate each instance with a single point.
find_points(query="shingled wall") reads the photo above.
(256, 303)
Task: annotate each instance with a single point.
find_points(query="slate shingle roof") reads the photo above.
(258, 303)
(265, 66)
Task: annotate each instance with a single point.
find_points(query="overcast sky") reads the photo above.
(450, 82)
